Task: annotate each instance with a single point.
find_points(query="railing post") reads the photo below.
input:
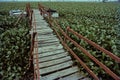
(66, 31)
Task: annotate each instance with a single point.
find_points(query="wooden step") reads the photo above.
(38, 24)
(49, 48)
(53, 57)
(48, 41)
(42, 27)
(61, 73)
(47, 37)
(51, 53)
(56, 67)
(49, 44)
(54, 62)
(44, 31)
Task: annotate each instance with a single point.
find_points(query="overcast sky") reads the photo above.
(55, 0)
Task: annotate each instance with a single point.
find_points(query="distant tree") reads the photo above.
(118, 0)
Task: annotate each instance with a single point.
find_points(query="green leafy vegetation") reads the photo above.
(14, 46)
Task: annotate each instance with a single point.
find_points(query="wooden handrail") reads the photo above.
(94, 59)
(34, 41)
(43, 11)
(29, 13)
(114, 57)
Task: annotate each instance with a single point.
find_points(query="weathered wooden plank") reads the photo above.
(44, 30)
(41, 30)
(54, 62)
(37, 24)
(49, 48)
(74, 76)
(47, 37)
(42, 27)
(52, 57)
(38, 17)
(48, 41)
(51, 53)
(56, 67)
(61, 73)
(48, 44)
(42, 20)
(45, 33)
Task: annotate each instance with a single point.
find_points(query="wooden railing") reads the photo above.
(43, 11)
(29, 13)
(34, 41)
(54, 23)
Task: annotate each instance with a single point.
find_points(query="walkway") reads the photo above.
(54, 62)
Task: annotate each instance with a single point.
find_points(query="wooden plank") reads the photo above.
(74, 76)
(51, 53)
(42, 27)
(61, 73)
(45, 33)
(56, 67)
(52, 57)
(47, 37)
(37, 15)
(45, 24)
(38, 18)
(49, 44)
(44, 30)
(48, 41)
(49, 48)
(54, 62)
(41, 20)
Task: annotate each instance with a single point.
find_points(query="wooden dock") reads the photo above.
(55, 62)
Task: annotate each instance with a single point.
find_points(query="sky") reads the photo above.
(55, 0)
